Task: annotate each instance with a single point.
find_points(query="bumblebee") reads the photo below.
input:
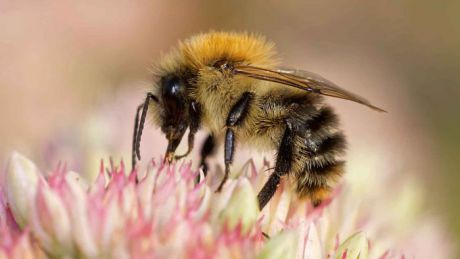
(231, 85)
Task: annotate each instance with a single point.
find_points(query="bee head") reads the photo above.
(174, 117)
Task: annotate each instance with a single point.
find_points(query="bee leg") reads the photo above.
(136, 126)
(195, 118)
(139, 127)
(236, 115)
(229, 150)
(191, 142)
(282, 167)
(207, 149)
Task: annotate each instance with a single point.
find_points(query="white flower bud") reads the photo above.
(21, 181)
(283, 245)
(242, 206)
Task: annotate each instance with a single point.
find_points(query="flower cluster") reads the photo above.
(167, 215)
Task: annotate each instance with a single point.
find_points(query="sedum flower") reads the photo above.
(242, 207)
(283, 245)
(356, 246)
(21, 183)
(167, 215)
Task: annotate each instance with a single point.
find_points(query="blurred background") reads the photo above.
(73, 72)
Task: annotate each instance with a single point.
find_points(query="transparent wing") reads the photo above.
(304, 80)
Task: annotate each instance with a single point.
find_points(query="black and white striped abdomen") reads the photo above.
(318, 152)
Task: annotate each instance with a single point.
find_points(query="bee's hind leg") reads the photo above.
(282, 167)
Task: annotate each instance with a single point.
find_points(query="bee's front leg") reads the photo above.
(195, 118)
(236, 115)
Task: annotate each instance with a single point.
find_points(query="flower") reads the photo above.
(167, 215)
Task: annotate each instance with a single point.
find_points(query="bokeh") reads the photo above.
(72, 73)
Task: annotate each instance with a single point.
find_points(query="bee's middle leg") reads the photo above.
(282, 167)
(229, 150)
(207, 150)
(236, 115)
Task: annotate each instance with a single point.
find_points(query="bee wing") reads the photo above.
(303, 80)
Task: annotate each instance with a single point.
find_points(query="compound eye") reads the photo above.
(173, 98)
(173, 86)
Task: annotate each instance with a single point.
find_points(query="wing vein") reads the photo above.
(303, 80)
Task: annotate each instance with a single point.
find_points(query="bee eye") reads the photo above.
(172, 86)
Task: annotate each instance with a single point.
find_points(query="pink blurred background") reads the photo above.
(73, 72)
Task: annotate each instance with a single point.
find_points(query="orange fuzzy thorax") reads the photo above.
(206, 48)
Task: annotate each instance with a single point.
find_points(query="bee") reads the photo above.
(231, 85)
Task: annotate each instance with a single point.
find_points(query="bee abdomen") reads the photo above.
(319, 151)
